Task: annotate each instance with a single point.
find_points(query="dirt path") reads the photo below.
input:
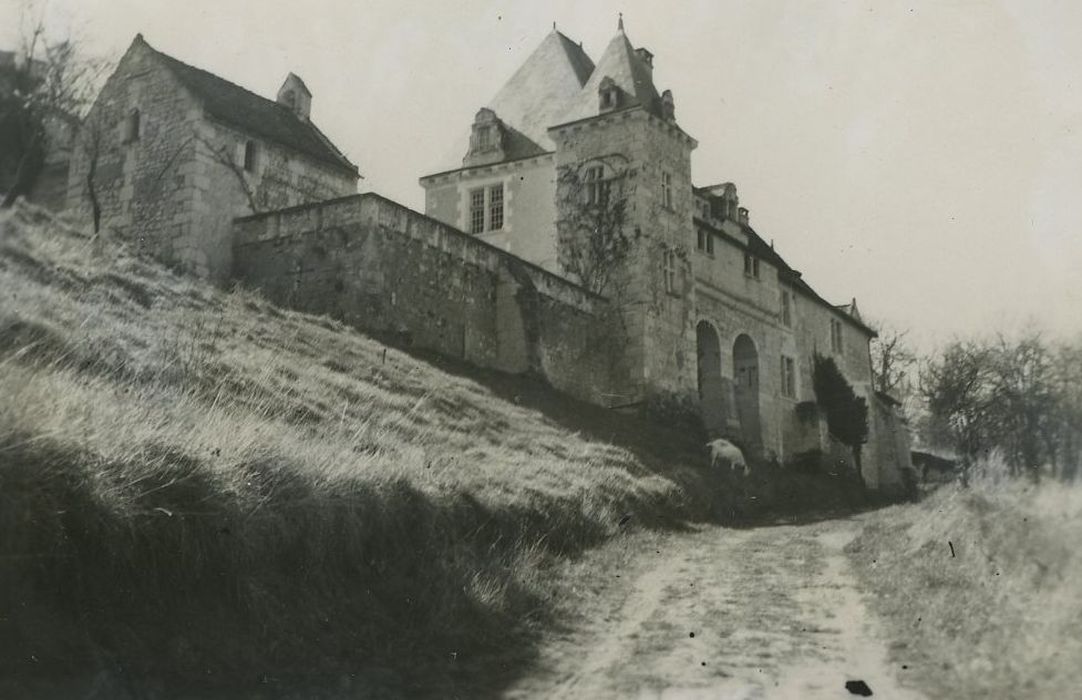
(770, 612)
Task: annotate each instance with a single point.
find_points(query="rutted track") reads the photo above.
(770, 612)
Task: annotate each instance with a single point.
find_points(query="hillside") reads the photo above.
(979, 588)
(198, 486)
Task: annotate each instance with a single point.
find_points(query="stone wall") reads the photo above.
(386, 269)
(142, 185)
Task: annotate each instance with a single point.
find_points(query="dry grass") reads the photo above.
(201, 490)
(1001, 617)
(197, 487)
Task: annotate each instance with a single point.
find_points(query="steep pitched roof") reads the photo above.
(538, 93)
(254, 114)
(630, 73)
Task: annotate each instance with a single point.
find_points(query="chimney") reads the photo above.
(295, 96)
(668, 108)
(743, 215)
(646, 57)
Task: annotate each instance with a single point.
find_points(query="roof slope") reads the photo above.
(255, 114)
(538, 93)
(627, 70)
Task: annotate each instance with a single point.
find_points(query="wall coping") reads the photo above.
(466, 238)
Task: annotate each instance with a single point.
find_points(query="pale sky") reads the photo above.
(924, 157)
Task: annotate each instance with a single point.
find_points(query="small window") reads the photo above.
(751, 265)
(837, 343)
(484, 137)
(249, 156)
(669, 270)
(133, 126)
(666, 190)
(788, 377)
(477, 211)
(787, 308)
(495, 207)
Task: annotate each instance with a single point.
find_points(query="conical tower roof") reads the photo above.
(628, 70)
(538, 93)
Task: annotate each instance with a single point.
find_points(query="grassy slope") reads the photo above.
(1002, 618)
(196, 484)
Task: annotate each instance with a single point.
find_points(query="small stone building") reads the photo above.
(169, 154)
(714, 316)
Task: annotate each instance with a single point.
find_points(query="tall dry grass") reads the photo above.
(198, 489)
(981, 586)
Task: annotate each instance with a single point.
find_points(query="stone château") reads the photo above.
(697, 310)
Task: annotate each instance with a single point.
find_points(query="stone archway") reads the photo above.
(711, 387)
(746, 392)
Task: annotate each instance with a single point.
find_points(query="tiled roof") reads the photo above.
(254, 114)
(539, 91)
(628, 71)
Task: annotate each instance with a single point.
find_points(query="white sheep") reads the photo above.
(722, 451)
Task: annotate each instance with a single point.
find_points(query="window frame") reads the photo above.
(837, 339)
(477, 207)
(787, 308)
(668, 271)
(491, 207)
(133, 126)
(666, 189)
(788, 377)
(250, 156)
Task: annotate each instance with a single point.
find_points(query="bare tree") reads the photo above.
(52, 87)
(595, 237)
(892, 361)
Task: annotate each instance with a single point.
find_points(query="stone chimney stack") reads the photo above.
(646, 57)
(668, 107)
(294, 95)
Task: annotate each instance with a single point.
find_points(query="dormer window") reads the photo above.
(609, 94)
(486, 140)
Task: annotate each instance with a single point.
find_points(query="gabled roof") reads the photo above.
(538, 93)
(252, 113)
(624, 67)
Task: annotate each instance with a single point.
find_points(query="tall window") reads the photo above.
(836, 340)
(132, 127)
(666, 189)
(477, 211)
(668, 269)
(751, 265)
(788, 377)
(597, 187)
(705, 241)
(787, 308)
(249, 156)
(495, 207)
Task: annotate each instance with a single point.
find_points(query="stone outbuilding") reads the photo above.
(169, 154)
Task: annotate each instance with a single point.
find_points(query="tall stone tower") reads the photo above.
(619, 144)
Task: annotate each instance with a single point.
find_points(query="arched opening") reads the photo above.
(746, 392)
(711, 389)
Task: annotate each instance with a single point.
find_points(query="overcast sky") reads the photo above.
(924, 157)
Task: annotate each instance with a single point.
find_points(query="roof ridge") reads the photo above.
(212, 75)
(263, 116)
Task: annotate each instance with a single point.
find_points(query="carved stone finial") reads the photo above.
(620, 22)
